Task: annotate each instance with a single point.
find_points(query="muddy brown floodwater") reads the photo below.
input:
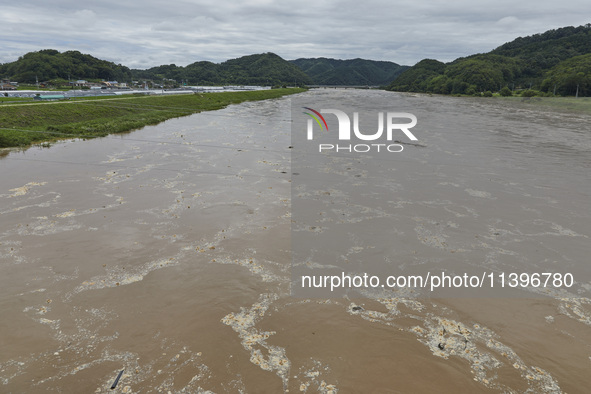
(167, 253)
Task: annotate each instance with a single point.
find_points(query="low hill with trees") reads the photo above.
(50, 64)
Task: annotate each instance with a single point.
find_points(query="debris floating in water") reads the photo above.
(117, 380)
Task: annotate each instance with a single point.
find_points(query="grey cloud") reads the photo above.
(183, 31)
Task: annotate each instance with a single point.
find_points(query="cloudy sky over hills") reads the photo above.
(149, 33)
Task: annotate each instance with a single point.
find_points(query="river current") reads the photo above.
(168, 253)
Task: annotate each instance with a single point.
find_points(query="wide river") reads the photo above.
(166, 253)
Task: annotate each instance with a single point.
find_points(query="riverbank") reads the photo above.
(24, 124)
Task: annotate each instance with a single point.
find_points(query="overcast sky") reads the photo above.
(146, 33)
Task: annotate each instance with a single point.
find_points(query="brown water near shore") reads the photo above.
(166, 253)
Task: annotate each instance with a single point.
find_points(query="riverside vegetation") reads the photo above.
(23, 124)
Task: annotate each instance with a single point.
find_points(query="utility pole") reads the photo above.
(577, 95)
(555, 89)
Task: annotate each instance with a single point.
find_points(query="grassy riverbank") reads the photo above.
(23, 124)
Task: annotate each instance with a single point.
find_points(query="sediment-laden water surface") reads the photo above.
(166, 253)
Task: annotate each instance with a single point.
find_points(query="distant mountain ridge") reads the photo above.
(326, 71)
(555, 60)
(259, 69)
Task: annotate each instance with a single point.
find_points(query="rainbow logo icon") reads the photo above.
(316, 117)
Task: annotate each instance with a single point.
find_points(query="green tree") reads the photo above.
(528, 93)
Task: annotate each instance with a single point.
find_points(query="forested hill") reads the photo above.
(557, 59)
(324, 71)
(261, 69)
(562, 43)
(49, 64)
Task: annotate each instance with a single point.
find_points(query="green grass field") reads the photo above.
(25, 123)
(10, 99)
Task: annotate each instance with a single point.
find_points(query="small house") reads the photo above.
(7, 86)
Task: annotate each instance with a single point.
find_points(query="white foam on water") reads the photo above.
(267, 357)
(447, 338)
(118, 277)
(21, 191)
(479, 193)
